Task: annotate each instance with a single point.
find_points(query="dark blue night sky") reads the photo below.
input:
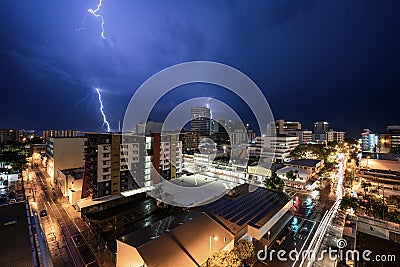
(337, 61)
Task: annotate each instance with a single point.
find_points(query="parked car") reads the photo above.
(43, 213)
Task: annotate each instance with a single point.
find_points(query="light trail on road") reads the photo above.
(315, 244)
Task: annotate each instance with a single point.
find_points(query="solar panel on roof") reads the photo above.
(240, 204)
(245, 211)
(246, 204)
(265, 212)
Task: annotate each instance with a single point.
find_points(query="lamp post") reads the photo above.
(211, 238)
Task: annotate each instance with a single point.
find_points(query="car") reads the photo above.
(13, 200)
(43, 213)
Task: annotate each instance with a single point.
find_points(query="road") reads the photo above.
(67, 245)
(307, 230)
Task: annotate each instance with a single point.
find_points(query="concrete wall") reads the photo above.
(68, 153)
(258, 233)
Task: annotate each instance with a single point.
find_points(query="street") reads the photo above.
(306, 231)
(66, 243)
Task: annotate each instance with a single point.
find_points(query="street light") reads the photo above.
(215, 239)
(269, 233)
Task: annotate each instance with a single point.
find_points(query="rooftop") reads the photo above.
(16, 249)
(181, 240)
(268, 165)
(303, 174)
(77, 173)
(304, 162)
(253, 206)
(144, 235)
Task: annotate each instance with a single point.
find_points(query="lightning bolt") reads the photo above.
(94, 13)
(105, 122)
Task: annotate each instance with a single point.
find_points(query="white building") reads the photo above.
(64, 153)
(329, 136)
(305, 136)
(276, 148)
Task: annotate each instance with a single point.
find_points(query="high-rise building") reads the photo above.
(336, 136)
(190, 141)
(329, 136)
(321, 127)
(276, 148)
(200, 120)
(305, 136)
(282, 127)
(9, 135)
(369, 141)
(59, 133)
(221, 125)
(114, 165)
(148, 127)
(239, 136)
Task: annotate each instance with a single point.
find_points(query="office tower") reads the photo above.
(321, 127)
(200, 120)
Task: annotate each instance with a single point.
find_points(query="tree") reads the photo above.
(291, 175)
(244, 250)
(274, 182)
(349, 202)
(224, 258)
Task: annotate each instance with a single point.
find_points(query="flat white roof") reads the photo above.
(86, 202)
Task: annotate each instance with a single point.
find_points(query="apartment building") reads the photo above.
(60, 133)
(239, 136)
(116, 162)
(329, 136)
(305, 136)
(63, 153)
(190, 141)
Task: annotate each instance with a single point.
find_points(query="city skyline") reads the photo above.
(199, 133)
(313, 61)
